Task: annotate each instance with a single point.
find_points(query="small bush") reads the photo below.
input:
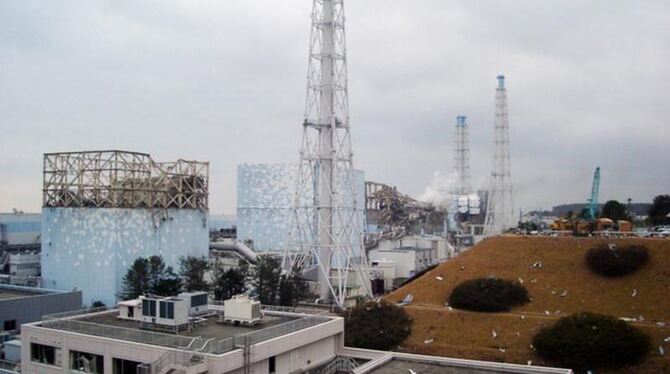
(611, 261)
(488, 295)
(592, 341)
(376, 325)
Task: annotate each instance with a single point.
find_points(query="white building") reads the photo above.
(408, 260)
(286, 341)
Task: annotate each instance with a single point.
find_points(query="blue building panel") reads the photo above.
(90, 249)
(265, 198)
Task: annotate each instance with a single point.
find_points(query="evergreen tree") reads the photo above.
(167, 283)
(136, 282)
(658, 212)
(192, 270)
(266, 277)
(292, 288)
(228, 282)
(615, 211)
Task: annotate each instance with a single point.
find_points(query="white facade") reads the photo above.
(20, 228)
(408, 261)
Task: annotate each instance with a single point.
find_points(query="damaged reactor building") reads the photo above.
(103, 209)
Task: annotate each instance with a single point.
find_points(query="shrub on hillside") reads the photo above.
(612, 261)
(376, 325)
(592, 341)
(488, 295)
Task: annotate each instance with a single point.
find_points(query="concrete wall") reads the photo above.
(32, 308)
(265, 194)
(295, 352)
(90, 249)
(405, 261)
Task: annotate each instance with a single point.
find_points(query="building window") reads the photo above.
(9, 325)
(83, 362)
(120, 366)
(149, 308)
(44, 354)
(272, 365)
(170, 310)
(198, 300)
(162, 310)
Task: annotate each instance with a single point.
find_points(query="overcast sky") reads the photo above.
(224, 81)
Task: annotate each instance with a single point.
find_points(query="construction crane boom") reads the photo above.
(592, 203)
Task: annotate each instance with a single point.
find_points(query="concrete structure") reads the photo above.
(104, 209)
(20, 228)
(286, 341)
(442, 249)
(19, 305)
(265, 194)
(242, 310)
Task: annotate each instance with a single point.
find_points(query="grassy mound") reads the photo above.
(613, 261)
(488, 295)
(592, 341)
(376, 325)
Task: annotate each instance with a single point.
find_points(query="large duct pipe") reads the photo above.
(231, 245)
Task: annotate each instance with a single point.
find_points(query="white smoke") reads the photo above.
(437, 192)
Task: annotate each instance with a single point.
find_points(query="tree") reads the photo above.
(192, 269)
(292, 288)
(168, 283)
(658, 212)
(149, 276)
(266, 277)
(227, 283)
(376, 325)
(136, 282)
(615, 211)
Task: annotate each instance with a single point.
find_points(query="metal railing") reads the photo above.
(140, 336)
(73, 313)
(9, 366)
(278, 330)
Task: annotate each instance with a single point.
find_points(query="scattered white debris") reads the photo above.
(640, 318)
(450, 308)
(523, 317)
(429, 341)
(502, 350)
(494, 334)
(634, 292)
(612, 246)
(411, 371)
(529, 363)
(627, 319)
(532, 347)
(520, 280)
(557, 312)
(564, 293)
(660, 324)
(439, 278)
(533, 281)
(661, 350)
(518, 333)
(462, 267)
(553, 292)
(536, 264)
(667, 339)
(546, 312)
(408, 299)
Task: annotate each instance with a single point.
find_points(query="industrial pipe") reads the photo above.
(231, 245)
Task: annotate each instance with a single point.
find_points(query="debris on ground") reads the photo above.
(429, 341)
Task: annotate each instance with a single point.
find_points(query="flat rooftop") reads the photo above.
(401, 366)
(208, 329)
(14, 294)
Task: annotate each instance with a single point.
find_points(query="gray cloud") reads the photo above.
(224, 82)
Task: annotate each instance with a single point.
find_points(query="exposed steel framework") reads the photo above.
(325, 233)
(120, 179)
(500, 210)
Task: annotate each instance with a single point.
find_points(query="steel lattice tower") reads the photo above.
(326, 228)
(499, 208)
(462, 157)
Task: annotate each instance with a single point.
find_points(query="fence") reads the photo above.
(140, 336)
(73, 313)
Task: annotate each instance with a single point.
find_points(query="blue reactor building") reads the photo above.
(104, 209)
